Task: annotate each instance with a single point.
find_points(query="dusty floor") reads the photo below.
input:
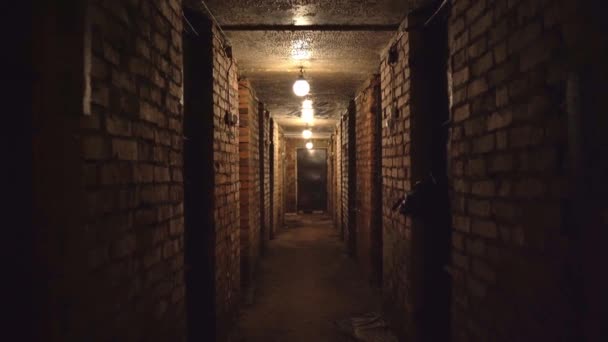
(305, 282)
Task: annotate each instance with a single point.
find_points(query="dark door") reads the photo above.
(431, 235)
(312, 179)
(198, 178)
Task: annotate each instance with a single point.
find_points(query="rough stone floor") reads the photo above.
(305, 282)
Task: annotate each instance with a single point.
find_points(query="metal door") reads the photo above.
(312, 179)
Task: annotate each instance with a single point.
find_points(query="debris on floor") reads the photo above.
(369, 327)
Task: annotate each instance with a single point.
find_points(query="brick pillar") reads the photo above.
(368, 230)
(107, 165)
(278, 170)
(344, 161)
(212, 195)
(263, 184)
(290, 174)
(250, 181)
(513, 244)
(396, 179)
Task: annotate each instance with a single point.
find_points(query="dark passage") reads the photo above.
(229, 170)
(312, 179)
(306, 282)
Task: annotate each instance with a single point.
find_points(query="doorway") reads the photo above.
(198, 180)
(311, 173)
(431, 232)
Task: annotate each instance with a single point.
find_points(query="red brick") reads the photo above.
(476, 246)
(477, 87)
(95, 147)
(460, 77)
(505, 210)
(484, 144)
(461, 113)
(476, 167)
(483, 64)
(499, 119)
(483, 188)
(482, 25)
(124, 149)
(476, 288)
(482, 270)
(484, 228)
(479, 208)
(477, 48)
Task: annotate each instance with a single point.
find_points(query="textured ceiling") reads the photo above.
(306, 12)
(336, 62)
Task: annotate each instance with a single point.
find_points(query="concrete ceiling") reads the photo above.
(339, 49)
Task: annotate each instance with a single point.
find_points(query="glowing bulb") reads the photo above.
(301, 87)
(309, 145)
(306, 134)
(308, 115)
(307, 104)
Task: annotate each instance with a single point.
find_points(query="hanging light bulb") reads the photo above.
(309, 145)
(308, 115)
(301, 86)
(306, 134)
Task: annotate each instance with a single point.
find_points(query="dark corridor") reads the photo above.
(455, 181)
(312, 179)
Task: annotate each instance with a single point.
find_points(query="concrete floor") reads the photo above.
(305, 282)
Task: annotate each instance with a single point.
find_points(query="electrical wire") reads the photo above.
(426, 23)
(223, 42)
(189, 24)
(219, 27)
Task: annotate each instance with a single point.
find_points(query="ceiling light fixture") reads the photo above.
(308, 115)
(309, 145)
(301, 86)
(306, 134)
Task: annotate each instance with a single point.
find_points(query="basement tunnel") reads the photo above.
(233, 170)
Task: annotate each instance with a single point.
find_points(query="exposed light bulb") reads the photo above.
(307, 104)
(309, 145)
(308, 115)
(301, 87)
(306, 134)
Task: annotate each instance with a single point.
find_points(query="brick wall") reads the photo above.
(128, 283)
(397, 239)
(290, 175)
(514, 239)
(514, 269)
(337, 141)
(366, 136)
(265, 134)
(331, 174)
(278, 210)
(249, 180)
(344, 161)
(226, 164)
(132, 164)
